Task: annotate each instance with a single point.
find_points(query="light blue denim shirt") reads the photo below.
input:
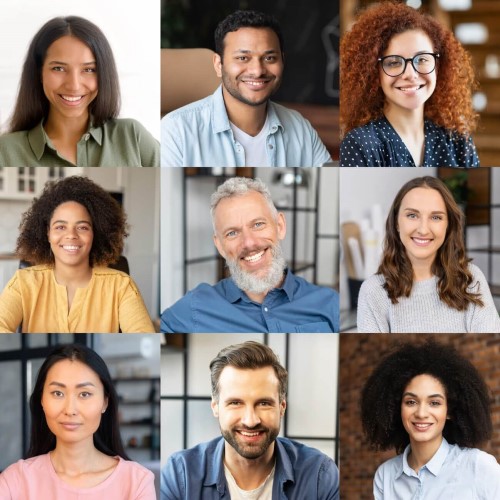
(200, 135)
(453, 472)
(302, 473)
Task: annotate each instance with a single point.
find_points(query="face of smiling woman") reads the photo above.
(71, 235)
(409, 91)
(69, 78)
(73, 401)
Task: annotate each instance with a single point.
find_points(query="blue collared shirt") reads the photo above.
(453, 472)
(302, 473)
(200, 135)
(296, 306)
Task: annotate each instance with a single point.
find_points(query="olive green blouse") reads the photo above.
(117, 143)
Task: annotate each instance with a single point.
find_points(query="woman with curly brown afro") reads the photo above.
(433, 407)
(405, 92)
(425, 282)
(71, 233)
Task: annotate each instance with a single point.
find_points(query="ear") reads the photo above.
(105, 405)
(281, 223)
(282, 408)
(218, 244)
(218, 65)
(215, 408)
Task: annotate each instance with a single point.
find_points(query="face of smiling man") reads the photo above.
(247, 235)
(249, 411)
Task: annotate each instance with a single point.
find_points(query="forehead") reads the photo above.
(424, 385)
(251, 39)
(249, 205)
(408, 43)
(72, 372)
(70, 210)
(247, 383)
(69, 49)
(424, 198)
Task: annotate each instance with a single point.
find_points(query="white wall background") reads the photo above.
(312, 388)
(132, 29)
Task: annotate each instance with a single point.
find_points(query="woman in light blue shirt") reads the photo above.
(433, 407)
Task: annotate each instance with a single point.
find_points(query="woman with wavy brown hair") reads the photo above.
(405, 92)
(425, 282)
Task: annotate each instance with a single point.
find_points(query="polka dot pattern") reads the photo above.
(377, 144)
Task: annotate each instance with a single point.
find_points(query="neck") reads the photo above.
(421, 271)
(249, 473)
(73, 275)
(259, 297)
(75, 458)
(408, 123)
(65, 129)
(248, 118)
(421, 453)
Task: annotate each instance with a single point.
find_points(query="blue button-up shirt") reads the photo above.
(302, 473)
(453, 472)
(200, 135)
(296, 306)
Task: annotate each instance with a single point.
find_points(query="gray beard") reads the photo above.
(248, 282)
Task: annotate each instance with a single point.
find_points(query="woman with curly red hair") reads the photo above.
(405, 92)
(425, 283)
(72, 232)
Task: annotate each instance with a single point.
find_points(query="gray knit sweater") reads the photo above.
(423, 311)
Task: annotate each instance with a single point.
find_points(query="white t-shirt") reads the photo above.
(255, 147)
(263, 492)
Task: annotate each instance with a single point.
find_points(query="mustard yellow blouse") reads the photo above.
(110, 302)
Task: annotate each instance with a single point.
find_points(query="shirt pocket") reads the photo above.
(318, 327)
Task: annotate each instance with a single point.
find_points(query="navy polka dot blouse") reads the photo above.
(377, 144)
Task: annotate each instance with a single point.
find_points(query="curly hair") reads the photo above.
(361, 96)
(450, 264)
(246, 19)
(468, 398)
(108, 221)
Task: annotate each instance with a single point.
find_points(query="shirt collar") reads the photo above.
(38, 138)
(220, 119)
(215, 473)
(434, 465)
(233, 293)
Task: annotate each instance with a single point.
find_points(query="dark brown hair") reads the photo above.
(451, 263)
(247, 356)
(361, 96)
(32, 105)
(108, 221)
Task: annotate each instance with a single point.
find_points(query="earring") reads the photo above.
(103, 411)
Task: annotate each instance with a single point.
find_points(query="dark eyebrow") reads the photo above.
(418, 211)
(65, 222)
(82, 384)
(428, 397)
(246, 51)
(66, 64)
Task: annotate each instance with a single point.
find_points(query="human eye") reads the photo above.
(410, 402)
(231, 234)
(259, 224)
(437, 217)
(421, 58)
(85, 394)
(59, 227)
(57, 68)
(242, 58)
(89, 70)
(393, 62)
(84, 228)
(57, 394)
(436, 403)
(411, 215)
(271, 59)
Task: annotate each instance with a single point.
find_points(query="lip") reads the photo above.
(254, 258)
(422, 426)
(70, 426)
(72, 249)
(410, 90)
(256, 83)
(71, 101)
(422, 242)
(251, 436)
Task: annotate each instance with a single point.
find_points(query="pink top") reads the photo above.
(35, 478)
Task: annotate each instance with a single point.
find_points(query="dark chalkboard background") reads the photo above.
(310, 29)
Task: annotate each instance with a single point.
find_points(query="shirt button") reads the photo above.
(265, 309)
(86, 137)
(274, 128)
(270, 146)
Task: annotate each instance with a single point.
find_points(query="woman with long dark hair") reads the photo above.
(68, 103)
(425, 282)
(75, 447)
(433, 407)
(71, 234)
(405, 92)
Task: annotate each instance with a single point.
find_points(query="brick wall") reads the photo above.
(359, 354)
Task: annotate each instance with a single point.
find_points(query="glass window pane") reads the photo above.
(10, 416)
(10, 342)
(38, 340)
(172, 367)
(172, 415)
(202, 425)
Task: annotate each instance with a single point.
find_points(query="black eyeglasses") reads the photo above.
(423, 63)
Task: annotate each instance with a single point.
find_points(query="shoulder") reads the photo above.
(14, 138)
(34, 273)
(107, 274)
(30, 466)
(289, 116)
(197, 455)
(134, 471)
(124, 127)
(373, 132)
(390, 467)
(374, 285)
(189, 111)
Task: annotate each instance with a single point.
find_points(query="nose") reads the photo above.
(409, 71)
(70, 407)
(250, 418)
(249, 241)
(421, 411)
(423, 227)
(72, 81)
(256, 67)
(71, 233)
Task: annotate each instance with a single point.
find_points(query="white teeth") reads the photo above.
(409, 89)
(421, 241)
(255, 84)
(70, 247)
(254, 258)
(422, 426)
(70, 98)
(249, 434)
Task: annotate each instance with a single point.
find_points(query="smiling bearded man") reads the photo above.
(261, 295)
